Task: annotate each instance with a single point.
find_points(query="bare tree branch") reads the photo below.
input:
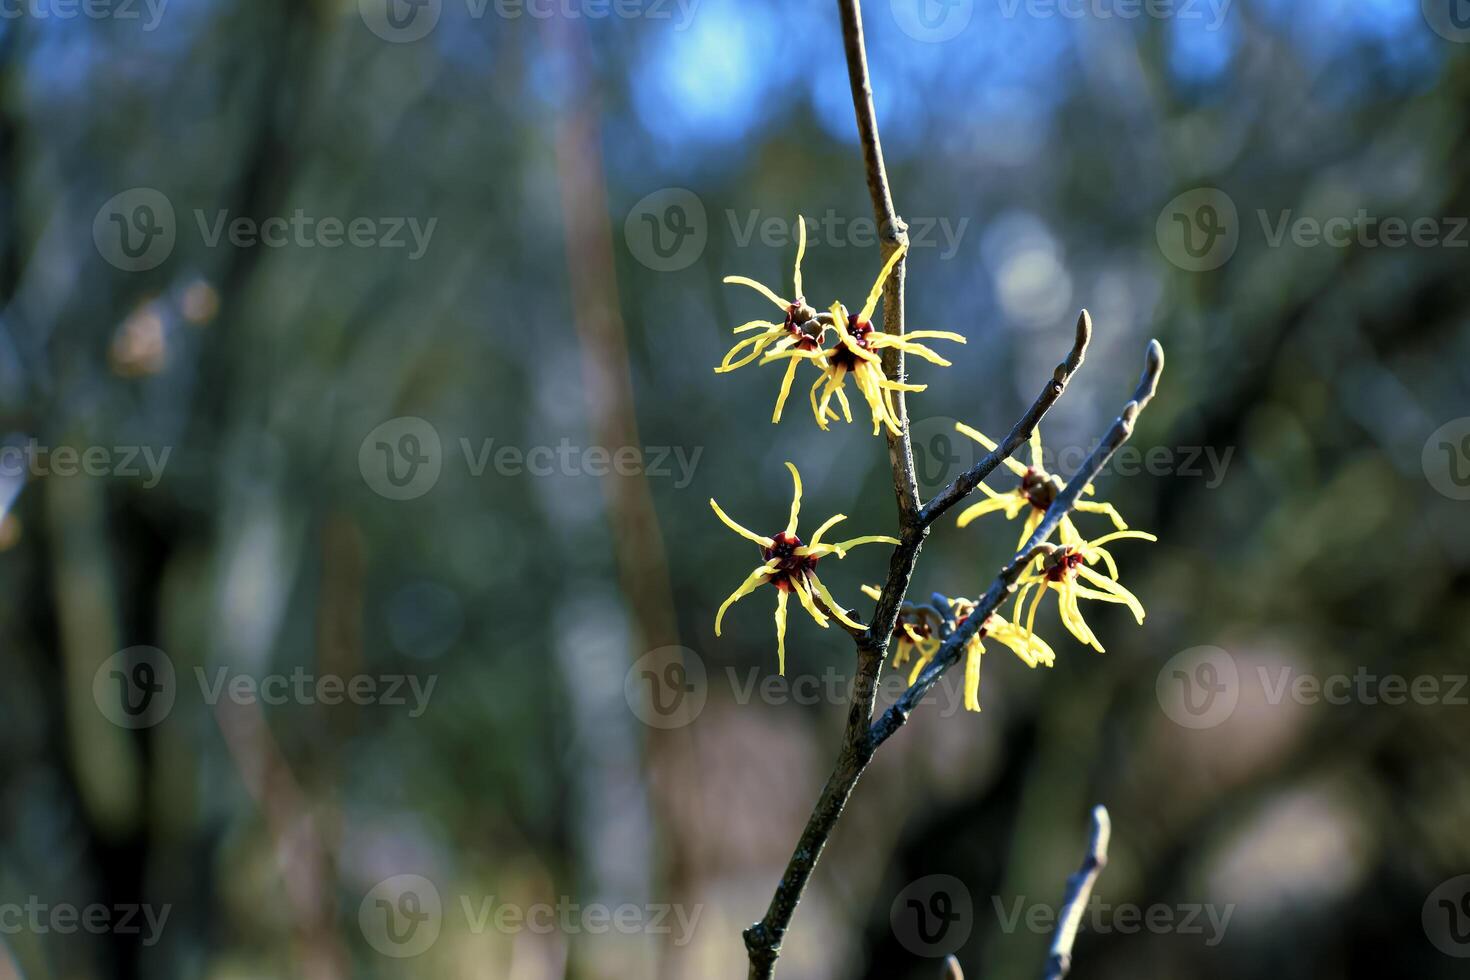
(1005, 582)
(1079, 890)
(763, 940)
(966, 482)
(862, 736)
(885, 618)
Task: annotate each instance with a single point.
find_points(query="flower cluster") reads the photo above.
(1065, 570)
(923, 630)
(842, 345)
(802, 335)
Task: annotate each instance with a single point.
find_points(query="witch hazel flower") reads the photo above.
(858, 354)
(1066, 571)
(923, 629)
(801, 328)
(1033, 495)
(790, 565)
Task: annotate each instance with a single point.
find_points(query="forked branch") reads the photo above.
(862, 735)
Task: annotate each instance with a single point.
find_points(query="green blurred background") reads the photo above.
(367, 347)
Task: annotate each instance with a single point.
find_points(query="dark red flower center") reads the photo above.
(858, 330)
(804, 340)
(1038, 488)
(1064, 565)
(783, 549)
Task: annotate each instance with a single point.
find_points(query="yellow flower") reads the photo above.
(1066, 570)
(791, 566)
(856, 354)
(1033, 495)
(918, 638)
(793, 332)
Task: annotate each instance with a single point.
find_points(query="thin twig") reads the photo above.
(1079, 890)
(1005, 582)
(763, 940)
(885, 618)
(964, 484)
(862, 736)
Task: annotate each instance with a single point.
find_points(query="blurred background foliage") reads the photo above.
(1049, 145)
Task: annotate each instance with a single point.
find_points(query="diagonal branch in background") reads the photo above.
(1079, 890)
